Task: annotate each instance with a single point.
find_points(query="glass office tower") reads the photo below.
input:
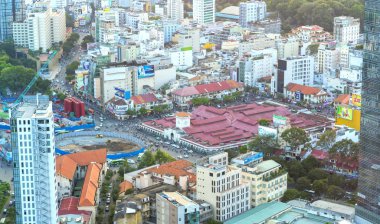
(10, 11)
(368, 207)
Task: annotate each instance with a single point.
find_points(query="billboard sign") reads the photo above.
(344, 112)
(357, 100)
(267, 131)
(298, 96)
(145, 71)
(253, 157)
(279, 120)
(125, 94)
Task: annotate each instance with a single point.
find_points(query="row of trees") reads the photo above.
(70, 43)
(143, 111)
(207, 101)
(70, 70)
(320, 12)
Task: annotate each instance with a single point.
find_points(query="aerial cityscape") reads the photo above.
(190, 112)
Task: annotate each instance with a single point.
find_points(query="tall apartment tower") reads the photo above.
(252, 11)
(298, 70)
(204, 11)
(222, 187)
(10, 11)
(32, 142)
(175, 9)
(42, 27)
(346, 29)
(368, 206)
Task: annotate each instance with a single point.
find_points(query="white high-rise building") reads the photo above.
(173, 207)
(346, 29)
(204, 11)
(222, 187)
(327, 58)
(252, 11)
(42, 27)
(299, 70)
(256, 67)
(32, 142)
(175, 9)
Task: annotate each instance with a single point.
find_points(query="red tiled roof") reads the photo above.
(207, 88)
(343, 99)
(212, 126)
(69, 205)
(307, 90)
(90, 185)
(177, 168)
(144, 98)
(65, 167)
(319, 154)
(124, 186)
(87, 157)
(182, 114)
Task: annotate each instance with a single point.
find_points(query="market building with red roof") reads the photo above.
(183, 96)
(309, 94)
(214, 129)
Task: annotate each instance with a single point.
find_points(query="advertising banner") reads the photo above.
(344, 112)
(279, 120)
(145, 71)
(357, 100)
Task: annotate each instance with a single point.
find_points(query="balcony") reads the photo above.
(275, 175)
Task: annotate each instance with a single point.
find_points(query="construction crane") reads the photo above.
(44, 66)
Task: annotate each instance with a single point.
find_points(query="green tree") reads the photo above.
(143, 111)
(228, 98)
(263, 143)
(292, 194)
(336, 180)
(163, 157)
(70, 69)
(212, 221)
(317, 174)
(327, 139)
(264, 122)
(351, 184)
(87, 39)
(320, 186)
(146, 160)
(310, 163)
(303, 183)
(295, 137)
(345, 148)
(8, 47)
(296, 170)
(335, 192)
(200, 101)
(131, 112)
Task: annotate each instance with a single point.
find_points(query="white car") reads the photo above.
(131, 161)
(180, 157)
(186, 156)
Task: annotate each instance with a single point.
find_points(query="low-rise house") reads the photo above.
(309, 94)
(125, 187)
(69, 213)
(211, 90)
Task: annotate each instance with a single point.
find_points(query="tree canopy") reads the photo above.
(345, 148)
(265, 143)
(327, 139)
(200, 101)
(295, 137)
(309, 12)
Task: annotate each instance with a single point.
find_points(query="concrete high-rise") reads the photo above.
(250, 12)
(175, 9)
(368, 206)
(42, 27)
(10, 11)
(204, 11)
(32, 142)
(346, 29)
